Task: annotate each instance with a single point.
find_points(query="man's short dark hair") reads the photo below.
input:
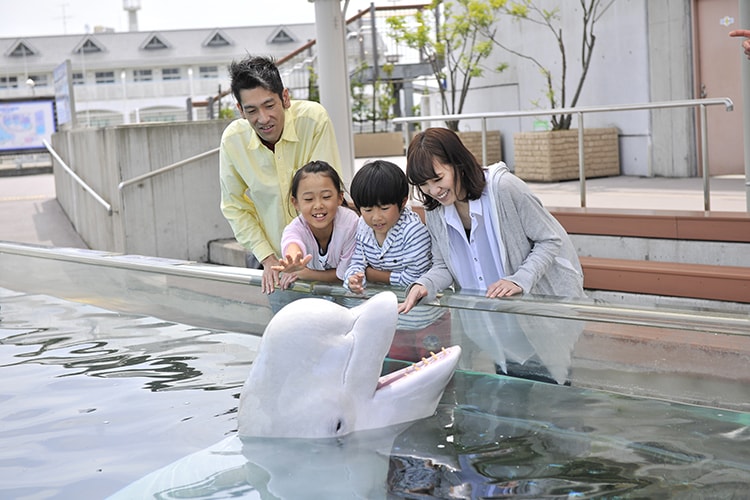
(253, 72)
(378, 183)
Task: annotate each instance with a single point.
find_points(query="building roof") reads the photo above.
(114, 50)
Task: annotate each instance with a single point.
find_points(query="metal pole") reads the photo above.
(581, 166)
(704, 160)
(484, 141)
(334, 79)
(745, 24)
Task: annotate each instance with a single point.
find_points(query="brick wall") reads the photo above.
(473, 142)
(553, 156)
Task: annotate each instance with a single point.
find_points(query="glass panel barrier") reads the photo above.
(691, 356)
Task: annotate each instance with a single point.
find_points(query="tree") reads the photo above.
(529, 11)
(454, 48)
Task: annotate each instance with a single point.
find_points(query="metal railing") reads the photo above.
(579, 112)
(77, 179)
(168, 168)
(128, 182)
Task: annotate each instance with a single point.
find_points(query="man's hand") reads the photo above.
(746, 42)
(270, 276)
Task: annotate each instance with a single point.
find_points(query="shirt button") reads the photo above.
(481, 279)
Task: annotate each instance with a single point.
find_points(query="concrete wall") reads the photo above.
(172, 215)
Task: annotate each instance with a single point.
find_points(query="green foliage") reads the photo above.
(556, 89)
(456, 49)
(372, 102)
(227, 113)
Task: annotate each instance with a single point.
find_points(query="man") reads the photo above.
(260, 153)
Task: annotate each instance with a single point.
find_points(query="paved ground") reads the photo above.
(30, 213)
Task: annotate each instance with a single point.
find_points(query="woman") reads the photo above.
(489, 232)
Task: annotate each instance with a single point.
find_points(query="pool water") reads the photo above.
(93, 400)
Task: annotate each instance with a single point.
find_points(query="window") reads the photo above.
(103, 77)
(21, 50)
(171, 74)
(208, 72)
(39, 80)
(217, 40)
(88, 47)
(142, 75)
(8, 82)
(155, 43)
(78, 79)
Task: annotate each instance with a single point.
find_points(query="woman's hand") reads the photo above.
(503, 288)
(415, 294)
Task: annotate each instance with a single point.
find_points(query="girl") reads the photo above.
(319, 243)
(489, 232)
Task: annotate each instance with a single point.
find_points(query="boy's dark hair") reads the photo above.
(253, 72)
(377, 183)
(444, 145)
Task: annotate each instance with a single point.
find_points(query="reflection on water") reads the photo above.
(94, 400)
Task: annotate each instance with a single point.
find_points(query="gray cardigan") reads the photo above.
(540, 257)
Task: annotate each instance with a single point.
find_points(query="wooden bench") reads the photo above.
(676, 279)
(678, 225)
(698, 281)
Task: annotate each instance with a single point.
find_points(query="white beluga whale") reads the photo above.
(317, 373)
(316, 419)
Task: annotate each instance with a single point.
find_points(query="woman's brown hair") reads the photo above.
(444, 145)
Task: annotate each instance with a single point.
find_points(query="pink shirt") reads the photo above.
(340, 249)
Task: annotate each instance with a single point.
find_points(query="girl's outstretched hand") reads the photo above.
(291, 264)
(415, 294)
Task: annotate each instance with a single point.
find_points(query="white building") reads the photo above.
(133, 77)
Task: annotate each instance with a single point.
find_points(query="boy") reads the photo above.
(393, 246)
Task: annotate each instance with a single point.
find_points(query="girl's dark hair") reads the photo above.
(378, 183)
(253, 72)
(444, 145)
(318, 167)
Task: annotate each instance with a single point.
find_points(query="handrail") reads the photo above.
(162, 170)
(75, 177)
(580, 111)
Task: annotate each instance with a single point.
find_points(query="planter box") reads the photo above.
(378, 144)
(552, 156)
(473, 142)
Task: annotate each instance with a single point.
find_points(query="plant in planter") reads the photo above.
(538, 155)
(455, 47)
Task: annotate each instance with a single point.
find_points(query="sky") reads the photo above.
(19, 18)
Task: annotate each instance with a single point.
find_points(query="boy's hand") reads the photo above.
(356, 282)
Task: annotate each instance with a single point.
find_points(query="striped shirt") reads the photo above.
(406, 251)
